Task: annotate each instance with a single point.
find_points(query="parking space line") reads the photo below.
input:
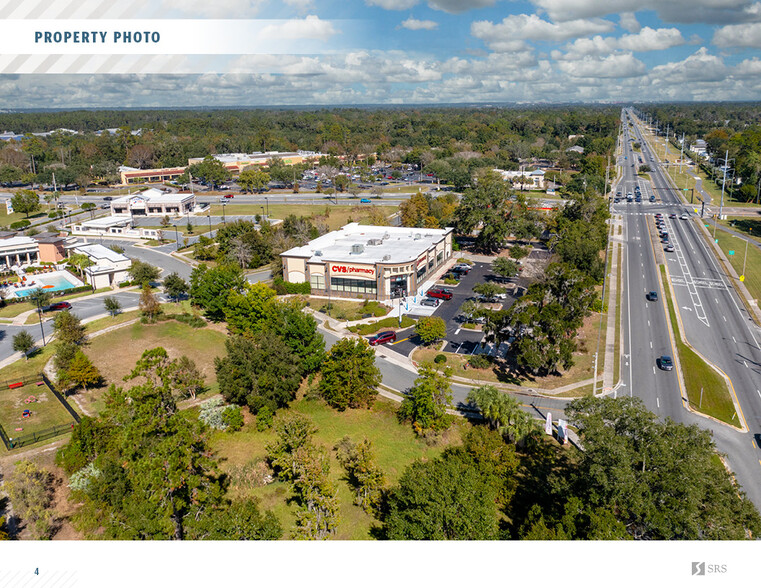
(400, 340)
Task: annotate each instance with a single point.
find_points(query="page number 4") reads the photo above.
(36, 571)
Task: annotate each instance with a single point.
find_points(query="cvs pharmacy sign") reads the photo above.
(352, 270)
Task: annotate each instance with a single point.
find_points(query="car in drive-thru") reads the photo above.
(441, 293)
(382, 337)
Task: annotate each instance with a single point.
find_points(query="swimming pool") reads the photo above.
(52, 282)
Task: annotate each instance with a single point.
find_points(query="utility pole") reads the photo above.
(681, 157)
(746, 255)
(721, 203)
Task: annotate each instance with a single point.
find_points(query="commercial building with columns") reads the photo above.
(363, 261)
(18, 251)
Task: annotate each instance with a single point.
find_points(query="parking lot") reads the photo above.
(459, 340)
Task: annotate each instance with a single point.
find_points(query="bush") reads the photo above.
(450, 281)
(232, 417)
(596, 305)
(264, 418)
(518, 252)
(440, 358)
(386, 323)
(283, 287)
(217, 415)
(189, 319)
(19, 225)
(479, 362)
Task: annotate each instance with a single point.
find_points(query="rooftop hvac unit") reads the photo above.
(357, 249)
(375, 242)
(318, 253)
(386, 235)
(417, 237)
(386, 257)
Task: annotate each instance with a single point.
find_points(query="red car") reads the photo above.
(442, 293)
(383, 337)
(59, 306)
(228, 195)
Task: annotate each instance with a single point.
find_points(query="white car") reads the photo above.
(684, 216)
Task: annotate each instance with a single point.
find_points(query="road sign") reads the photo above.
(742, 278)
(731, 252)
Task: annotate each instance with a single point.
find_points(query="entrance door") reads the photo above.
(398, 286)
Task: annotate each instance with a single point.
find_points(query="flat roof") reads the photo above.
(154, 196)
(17, 242)
(395, 244)
(104, 222)
(98, 251)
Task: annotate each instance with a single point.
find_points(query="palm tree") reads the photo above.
(503, 413)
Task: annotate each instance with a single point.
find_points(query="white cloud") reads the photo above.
(677, 11)
(741, 35)
(414, 24)
(622, 65)
(392, 4)
(300, 5)
(749, 68)
(698, 67)
(457, 6)
(311, 27)
(646, 40)
(532, 27)
(628, 21)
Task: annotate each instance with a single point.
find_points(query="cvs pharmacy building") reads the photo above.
(363, 261)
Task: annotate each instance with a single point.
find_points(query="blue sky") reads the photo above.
(429, 52)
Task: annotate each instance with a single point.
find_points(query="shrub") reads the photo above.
(264, 418)
(232, 417)
(19, 225)
(479, 362)
(189, 319)
(283, 287)
(213, 414)
(450, 281)
(440, 358)
(518, 252)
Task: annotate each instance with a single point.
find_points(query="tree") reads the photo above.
(431, 329)
(175, 286)
(442, 499)
(209, 288)
(241, 521)
(81, 371)
(362, 472)
(186, 380)
(426, 403)
(142, 272)
(502, 412)
(26, 201)
(189, 227)
(210, 170)
(253, 179)
(318, 516)
(81, 262)
(23, 342)
(89, 207)
(113, 306)
(349, 375)
(31, 492)
(471, 309)
(40, 298)
(149, 304)
(293, 431)
(661, 479)
(488, 290)
(504, 267)
(247, 311)
(299, 331)
(259, 371)
(67, 328)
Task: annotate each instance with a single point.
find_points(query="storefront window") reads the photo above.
(317, 281)
(353, 286)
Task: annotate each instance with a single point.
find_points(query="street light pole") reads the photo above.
(224, 222)
(208, 216)
(746, 255)
(267, 202)
(39, 314)
(177, 237)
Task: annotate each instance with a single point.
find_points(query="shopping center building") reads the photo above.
(363, 261)
(153, 202)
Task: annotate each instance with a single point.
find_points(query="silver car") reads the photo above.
(429, 302)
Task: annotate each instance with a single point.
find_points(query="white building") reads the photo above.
(18, 251)
(699, 148)
(109, 267)
(114, 225)
(531, 180)
(154, 202)
(364, 261)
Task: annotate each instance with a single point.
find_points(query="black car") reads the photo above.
(665, 363)
(652, 296)
(108, 198)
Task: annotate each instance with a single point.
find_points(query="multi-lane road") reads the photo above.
(715, 321)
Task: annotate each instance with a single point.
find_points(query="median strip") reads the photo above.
(706, 389)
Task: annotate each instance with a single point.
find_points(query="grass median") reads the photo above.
(700, 379)
(729, 243)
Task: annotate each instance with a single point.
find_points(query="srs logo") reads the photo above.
(700, 568)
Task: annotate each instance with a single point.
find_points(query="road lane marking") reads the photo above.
(653, 370)
(733, 339)
(658, 401)
(651, 344)
(457, 331)
(648, 322)
(725, 318)
(717, 300)
(746, 363)
(400, 340)
(759, 393)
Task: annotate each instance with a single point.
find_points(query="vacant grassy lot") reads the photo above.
(729, 243)
(335, 216)
(46, 410)
(394, 444)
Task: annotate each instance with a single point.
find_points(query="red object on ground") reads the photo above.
(40, 383)
(16, 385)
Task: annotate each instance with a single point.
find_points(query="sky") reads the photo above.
(344, 52)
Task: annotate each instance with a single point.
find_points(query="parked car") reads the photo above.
(364, 201)
(430, 302)
(652, 296)
(58, 306)
(441, 293)
(669, 248)
(665, 363)
(382, 337)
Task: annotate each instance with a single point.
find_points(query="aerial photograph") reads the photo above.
(483, 275)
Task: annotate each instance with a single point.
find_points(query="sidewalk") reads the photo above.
(617, 240)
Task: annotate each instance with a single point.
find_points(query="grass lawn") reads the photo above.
(394, 444)
(391, 322)
(335, 216)
(347, 310)
(6, 219)
(47, 411)
(116, 353)
(747, 225)
(729, 243)
(698, 375)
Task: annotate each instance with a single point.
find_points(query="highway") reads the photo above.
(714, 319)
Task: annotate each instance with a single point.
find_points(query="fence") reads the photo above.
(15, 442)
(23, 440)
